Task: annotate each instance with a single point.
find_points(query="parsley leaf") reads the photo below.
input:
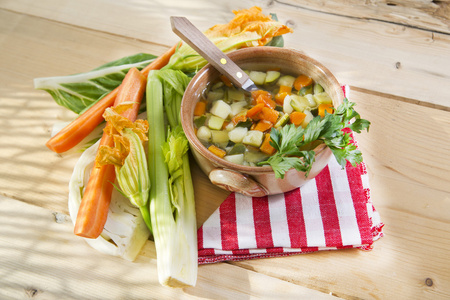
(293, 144)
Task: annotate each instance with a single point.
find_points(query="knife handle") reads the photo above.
(182, 27)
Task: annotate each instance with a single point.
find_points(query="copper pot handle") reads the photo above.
(236, 182)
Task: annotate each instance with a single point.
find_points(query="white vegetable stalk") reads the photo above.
(172, 205)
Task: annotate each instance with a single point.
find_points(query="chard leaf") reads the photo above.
(79, 91)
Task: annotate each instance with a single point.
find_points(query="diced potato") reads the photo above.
(258, 77)
(215, 122)
(286, 80)
(322, 98)
(308, 118)
(204, 134)
(230, 126)
(237, 107)
(287, 107)
(272, 76)
(220, 109)
(219, 137)
(237, 134)
(253, 138)
(235, 158)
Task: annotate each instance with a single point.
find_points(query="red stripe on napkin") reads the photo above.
(295, 220)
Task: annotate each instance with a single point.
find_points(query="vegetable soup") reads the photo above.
(235, 125)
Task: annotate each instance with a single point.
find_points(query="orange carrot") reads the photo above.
(217, 151)
(263, 125)
(240, 117)
(325, 108)
(297, 118)
(94, 206)
(226, 81)
(200, 108)
(268, 114)
(266, 100)
(266, 147)
(257, 93)
(84, 124)
(282, 93)
(302, 81)
(252, 112)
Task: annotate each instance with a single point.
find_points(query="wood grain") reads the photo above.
(393, 54)
(399, 59)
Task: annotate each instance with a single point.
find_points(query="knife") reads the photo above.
(190, 34)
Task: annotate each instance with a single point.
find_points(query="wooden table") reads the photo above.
(395, 55)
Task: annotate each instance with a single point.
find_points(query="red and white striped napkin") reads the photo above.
(332, 211)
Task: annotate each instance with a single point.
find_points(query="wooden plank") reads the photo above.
(402, 57)
(42, 259)
(409, 179)
(422, 14)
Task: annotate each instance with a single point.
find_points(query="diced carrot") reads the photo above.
(226, 81)
(266, 147)
(85, 123)
(94, 205)
(325, 108)
(225, 124)
(302, 81)
(240, 117)
(282, 93)
(268, 114)
(297, 117)
(200, 108)
(266, 100)
(217, 151)
(263, 125)
(252, 112)
(257, 93)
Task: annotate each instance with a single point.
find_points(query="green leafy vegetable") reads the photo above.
(293, 144)
(172, 205)
(80, 91)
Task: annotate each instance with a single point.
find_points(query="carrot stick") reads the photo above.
(94, 206)
(77, 130)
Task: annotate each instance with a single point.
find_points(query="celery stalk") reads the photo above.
(172, 206)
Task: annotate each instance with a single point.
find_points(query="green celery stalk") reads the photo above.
(172, 205)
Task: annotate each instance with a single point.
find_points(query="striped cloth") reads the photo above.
(332, 211)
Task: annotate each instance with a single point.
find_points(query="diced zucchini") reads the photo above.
(306, 90)
(200, 121)
(310, 99)
(318, 88)
(215, 123)
(214, 95)
(282, 121)
(220, 109)
(236, 95)
(272, 76)
(287, 107)
(286, 80)
(253, 157)
(235, 158)
(299, 103)
(237, 107)
(257, 77)
(237, 134)
(253, 138)
(322, 98)
(308, 118)
(204, 134)
(220, 138)
(237, 149)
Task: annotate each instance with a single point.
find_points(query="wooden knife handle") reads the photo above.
(200, 43)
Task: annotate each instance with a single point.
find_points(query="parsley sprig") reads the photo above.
(295, 145)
